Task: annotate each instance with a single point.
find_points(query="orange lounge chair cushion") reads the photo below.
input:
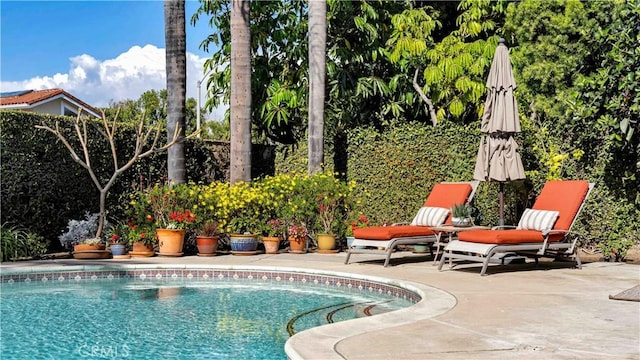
(564, 196)
(514, 236)
(391, 232)
(445, 195)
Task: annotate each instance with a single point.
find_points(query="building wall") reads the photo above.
(51, 107)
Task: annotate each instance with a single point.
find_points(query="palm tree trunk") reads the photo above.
(240, 92)
(317, 48)
(176, 69)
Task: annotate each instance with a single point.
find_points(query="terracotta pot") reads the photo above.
(207, 245)
(140, 247)
(271, 244)
(326, 242)
(170, 241)
(88, 247)
(297, 245)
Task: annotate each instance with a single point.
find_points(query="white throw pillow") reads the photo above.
(538, 219)
(430, 216)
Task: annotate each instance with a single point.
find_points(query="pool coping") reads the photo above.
(325, 338)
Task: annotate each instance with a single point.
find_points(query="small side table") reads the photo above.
(451, 230)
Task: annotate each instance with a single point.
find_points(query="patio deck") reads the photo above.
(551, 311)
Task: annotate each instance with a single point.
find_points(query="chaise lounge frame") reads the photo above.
(387, 247)
(487, 253)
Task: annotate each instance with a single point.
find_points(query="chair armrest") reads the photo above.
(552, 232)
(503, 227)
(401, 223)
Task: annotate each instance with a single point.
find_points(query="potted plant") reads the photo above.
(117, 240)
(242, 219)
(360, 222)
(81, 237)
(141, 238)
(331, 196)
(297, 235)
(274, 230)
(461, 215)
(169, 205)
(207, 238)
(171, 232)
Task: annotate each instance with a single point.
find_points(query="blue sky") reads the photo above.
(97, 50)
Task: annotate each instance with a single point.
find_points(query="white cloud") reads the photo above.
(125, 77)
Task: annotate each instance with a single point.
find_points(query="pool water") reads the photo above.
(145, 320)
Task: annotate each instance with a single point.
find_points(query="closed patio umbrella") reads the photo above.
(498, 158)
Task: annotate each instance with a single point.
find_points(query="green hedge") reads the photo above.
(396, 168)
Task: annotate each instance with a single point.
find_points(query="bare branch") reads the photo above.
(432, 112)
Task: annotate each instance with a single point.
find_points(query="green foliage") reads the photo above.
(17, 243)
(609, 224)
(576, 64)
(396, 169)
(461, 210)
(43, 188)
(78, 231)
(453, 67)
(292, 198)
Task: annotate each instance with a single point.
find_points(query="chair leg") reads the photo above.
(443, 258)
(485, 264)
(346, 261)
(578, 261)
(386, 261)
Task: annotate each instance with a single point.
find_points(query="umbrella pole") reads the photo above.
(501, 200)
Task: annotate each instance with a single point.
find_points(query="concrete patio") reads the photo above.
(549, 311)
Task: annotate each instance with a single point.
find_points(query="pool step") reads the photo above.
(334, 313)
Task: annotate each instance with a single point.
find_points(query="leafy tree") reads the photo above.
(577, 65)
(454, 66)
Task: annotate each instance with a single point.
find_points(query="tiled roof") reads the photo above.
(36, 96)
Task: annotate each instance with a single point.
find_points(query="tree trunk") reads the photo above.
(240, 158)
(317, 48)
(176, 70)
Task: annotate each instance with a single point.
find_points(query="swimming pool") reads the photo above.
(116, 313)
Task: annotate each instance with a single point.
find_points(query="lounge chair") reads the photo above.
(384, 239)
(542, 231)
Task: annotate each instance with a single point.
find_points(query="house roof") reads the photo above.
(30, 98)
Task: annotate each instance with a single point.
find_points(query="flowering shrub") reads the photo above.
(210, 206)
(331, 197)
(314, 202)
(116, 234)
(144, 233)
(245, 208)
(181, 220)
(274, 227)
(297, 232)
(361, 222)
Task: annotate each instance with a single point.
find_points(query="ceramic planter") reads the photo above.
(326, 242)
(243, 242)
(460, 221)
(117, 249)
